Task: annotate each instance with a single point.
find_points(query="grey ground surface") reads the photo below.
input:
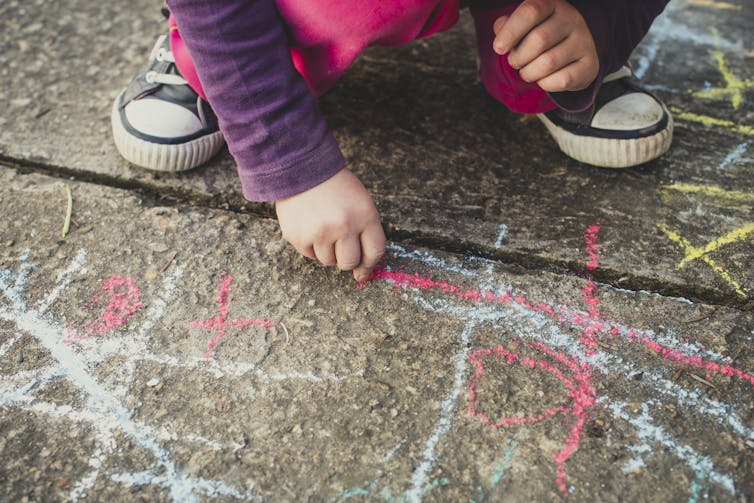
(172, 347)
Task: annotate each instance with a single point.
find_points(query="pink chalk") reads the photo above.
(575, 376)
(124, 299)
(220, 323)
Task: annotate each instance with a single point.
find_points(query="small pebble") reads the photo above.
(153, 382)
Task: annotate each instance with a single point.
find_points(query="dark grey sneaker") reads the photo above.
(626, 125)
(159, 122)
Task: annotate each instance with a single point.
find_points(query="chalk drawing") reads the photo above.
(717, 194)
(447, 410)
(715, 4)
(702, 252)
(735, 156)
(570, 343)
(713, 121)
(579, 387)
(8, 345)
(668, 26)
(123, 300)
(501, 235)
(220, 323)
(476, 305)
(498, 472)
(104, 412)
(734, 87)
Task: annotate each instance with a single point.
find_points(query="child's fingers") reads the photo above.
(307, 251)
(538, 41)
(499, 23)
(548, 63)
(574, 77)
(348, 252)
(325, 253)
(526, 16)
(372, 250)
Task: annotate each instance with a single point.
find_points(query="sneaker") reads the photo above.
(625, 126)
(159, 122)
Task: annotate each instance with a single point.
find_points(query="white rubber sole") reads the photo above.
(163, 157)
(608, 152)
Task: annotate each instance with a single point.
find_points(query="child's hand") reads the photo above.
(336, 223)
(549, 43)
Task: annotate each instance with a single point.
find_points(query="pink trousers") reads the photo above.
(323, 44)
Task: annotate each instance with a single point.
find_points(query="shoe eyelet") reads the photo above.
(150, 76)
(160, 55)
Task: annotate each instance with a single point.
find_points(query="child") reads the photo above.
(248, 71)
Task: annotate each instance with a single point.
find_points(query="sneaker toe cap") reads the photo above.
(630, 112)
(161, 119)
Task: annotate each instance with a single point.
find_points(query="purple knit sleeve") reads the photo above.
(617, 27)
(269, 118)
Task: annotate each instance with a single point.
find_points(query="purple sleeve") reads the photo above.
(617, 27)
(269, 118)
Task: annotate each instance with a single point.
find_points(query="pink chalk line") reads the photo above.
(563, 315)
(220, 323)
(124, 299)
(592, 329)
(580, 391)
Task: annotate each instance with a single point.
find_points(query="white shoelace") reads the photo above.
(161, 54)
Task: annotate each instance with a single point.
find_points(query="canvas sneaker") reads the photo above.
(159, 122)
(625, 126)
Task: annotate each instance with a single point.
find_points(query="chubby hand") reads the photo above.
(336, 223)
(549, 42)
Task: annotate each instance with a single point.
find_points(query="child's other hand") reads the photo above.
(336, 223)
(549, 43)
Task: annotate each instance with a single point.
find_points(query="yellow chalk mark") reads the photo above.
(738, 234)
(689, 248)
(735, 196)
(715, 5)
(712, 121)
(734, 87)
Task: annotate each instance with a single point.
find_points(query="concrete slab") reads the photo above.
(442, 159)
(163, 353)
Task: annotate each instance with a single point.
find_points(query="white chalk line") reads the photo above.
(724, 413)
(501, 235)
(734, 156)
(107, 411)
(63, 280)
(664, 28)
(607, 363)
(13, 293)
(10, 343)
(649, 432)
(447, 411)
(548, 331)
(389, 454)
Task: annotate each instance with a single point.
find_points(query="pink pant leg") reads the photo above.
(183, 59)
(326, 36)
(499, 78)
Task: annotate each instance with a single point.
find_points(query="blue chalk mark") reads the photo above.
(499, 471)
(697, 487)
(350, 493)
(497, 475)
(734, 156)
(501, 234)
